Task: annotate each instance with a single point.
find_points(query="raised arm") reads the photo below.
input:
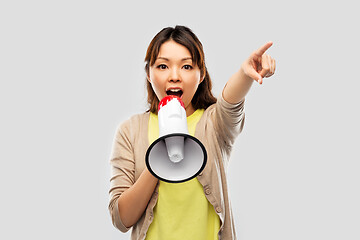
(256, 67)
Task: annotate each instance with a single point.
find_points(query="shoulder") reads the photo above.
(133, 124)
(134, 119)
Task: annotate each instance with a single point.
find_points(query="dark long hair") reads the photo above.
(203, 96)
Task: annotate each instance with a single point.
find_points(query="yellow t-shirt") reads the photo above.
(182, 210)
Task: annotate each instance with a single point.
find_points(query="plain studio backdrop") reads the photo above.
(71, 71)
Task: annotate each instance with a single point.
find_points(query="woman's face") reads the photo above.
(174, 73)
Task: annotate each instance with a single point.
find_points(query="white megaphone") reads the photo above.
(175, 156)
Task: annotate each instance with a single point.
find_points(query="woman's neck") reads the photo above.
(189, 110)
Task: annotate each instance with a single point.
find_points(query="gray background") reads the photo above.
(71, 71)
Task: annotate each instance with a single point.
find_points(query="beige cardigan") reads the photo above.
(217, 130)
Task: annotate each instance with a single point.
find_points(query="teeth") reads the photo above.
(175, 90)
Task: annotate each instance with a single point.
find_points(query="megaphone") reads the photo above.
(175, 156)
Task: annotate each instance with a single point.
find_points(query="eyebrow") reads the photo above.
(183, 59)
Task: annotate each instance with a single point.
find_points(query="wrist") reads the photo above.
(243, 75)
(149, 177)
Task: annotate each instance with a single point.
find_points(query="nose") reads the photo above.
(174, 76)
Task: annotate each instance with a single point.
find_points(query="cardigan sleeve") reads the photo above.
(229, 122)
(122, 165)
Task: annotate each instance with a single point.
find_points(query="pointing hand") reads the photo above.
(259, 64)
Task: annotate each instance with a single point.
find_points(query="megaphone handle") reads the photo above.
(175, 148)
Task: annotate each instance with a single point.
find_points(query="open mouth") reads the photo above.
(175, 92)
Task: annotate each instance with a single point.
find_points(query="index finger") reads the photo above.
(263, 49)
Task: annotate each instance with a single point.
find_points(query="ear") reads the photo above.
(202, 77)
(147, 71)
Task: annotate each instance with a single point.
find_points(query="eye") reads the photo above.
(162, 66)
(187, 67)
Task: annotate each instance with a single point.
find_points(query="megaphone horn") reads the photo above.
(175, 156)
